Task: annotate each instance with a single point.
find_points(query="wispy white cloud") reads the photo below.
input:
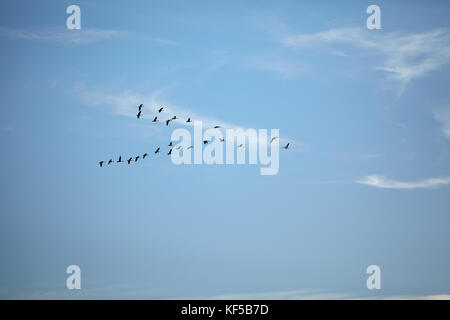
(406, 56)
(82, 36)
(380, 181)
(443, 117)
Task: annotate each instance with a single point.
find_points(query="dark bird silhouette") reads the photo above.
(271, 140)
(216, 127)
(190, 147)
(129, 160)
(205, 141)
(110, 161)
(240, 146)
(174, 118)
(156, 119)
(139, 114)
(189, 120)
(160, 109)
(170, 144)
(136, 158)
(170, 152)
(157, 150)
(145, 154)
(221, 139)
(140, 107)
(120, 159)
(167, 122)
(178, 148)
(101, 163)
(287, 146)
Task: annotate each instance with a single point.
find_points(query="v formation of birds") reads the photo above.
(155, 119)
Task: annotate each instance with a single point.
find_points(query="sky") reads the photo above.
(366, 180)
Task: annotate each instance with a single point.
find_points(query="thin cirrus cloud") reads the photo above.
(443, 117)
(405, 56)
(380, 181)
(61, 35)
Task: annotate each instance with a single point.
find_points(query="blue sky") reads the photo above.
(366, 182)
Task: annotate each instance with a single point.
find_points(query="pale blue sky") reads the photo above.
(366, 181)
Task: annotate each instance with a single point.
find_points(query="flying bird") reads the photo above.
(110, 161)
(101, 163)
(170, 152)
(157, 150)
(178, 148)
(139, 114)
(216, 127)
(129, 160)
(145, 154)
(167, 122)
(271, 140)
(136, 158)
(174, 118)
(190, 147)
(160, 109)
(140, 107)
(240, 146)
(205, 141)
(156, 119)
(120, 159)
(221, 139)
(189, 120)
(287, 146)
(170, 144)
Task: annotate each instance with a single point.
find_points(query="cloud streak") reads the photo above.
(380, 181)
(443, 117)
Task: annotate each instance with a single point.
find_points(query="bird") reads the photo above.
(190, 147)
(178, 148)
(205, 141)
(110, 161)
(145, 154)
(139, 114)
(221, 139)
(156, 119)
(170, 152)
(136, 158)
(129, 160)
(101, 163)
(174, 118)
(287, 146)
(216, 127)
(140, 106)
(157, 150)
(189, 120)
(240, 146)
(271, 140)
(170, 144)
(160, 109)
(120, 159)
(167, 122)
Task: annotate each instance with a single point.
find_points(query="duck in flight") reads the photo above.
(145, 154)
(221, 139)
(170, 152)
(110, 161)
(178, 148)
(154, 120)
(205, 141)
(129, 160)
(160, 109)
(139, 114)
(136, 158)
(240, 146)
(167, 122)
(216, 127)
(273, 139)
(287, 146)
(188, 120)
(157, 150)
(101, 163)
(120, 159)
(190, 147)
(140, 106)
(170, 144)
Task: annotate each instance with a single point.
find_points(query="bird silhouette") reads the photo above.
(156, 119)
(205, 141)
(136, 158)
(174, 118)
(139, 114)
(271, 140)
(145, 154)
(110, 161)
(216, 127)
(167, 122)
(287, 146)
(101, 163)
(157, 150)
(221, 139)
(140, 107)
(129, 160)
(170, 152)
(120, 159)
(160, 109)
(190, 147)
(240, 146)
(178, 148)
(170, 144)
(189, 120)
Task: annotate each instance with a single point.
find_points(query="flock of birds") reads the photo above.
(136, 158)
